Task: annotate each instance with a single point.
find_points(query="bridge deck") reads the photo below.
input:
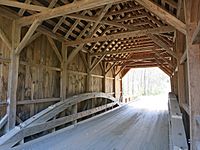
(136, 126)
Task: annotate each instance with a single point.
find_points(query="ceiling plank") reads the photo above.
(164, 15)
(23, 5)
(65, 9)
(128, 34)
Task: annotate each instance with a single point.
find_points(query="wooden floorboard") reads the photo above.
(133, 127)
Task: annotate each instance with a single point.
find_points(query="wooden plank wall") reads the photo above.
(188, 71)
(40, 72)
(4, 65)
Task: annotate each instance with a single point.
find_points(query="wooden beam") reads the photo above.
(177, 134)
(13, 77)
(63, 73)
(121, 69)
(22, 11)
(55, 49)
(93, 19)
(183, 57)
(171, 3)
(33, 38)
(163, 58)
(90, 34)
(97, 62)
(126, 10)
(165, 71)
(131, 50)
(23, 5)
(27, 37)
(160, 43)
(3, 121)
(110, 67)
(196, 35)
(5, 39)
(164, 15)
(122, 35)
(65, 9)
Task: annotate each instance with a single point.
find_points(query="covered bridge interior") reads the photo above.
(51, 50)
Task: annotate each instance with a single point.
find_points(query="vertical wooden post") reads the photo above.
(175, 78)
(193, 61)
(172, 83)
(89, 77)
(104, 79)
(114, 83)
(13, 77)
(63, 73)
(193, 64)
(181, 74)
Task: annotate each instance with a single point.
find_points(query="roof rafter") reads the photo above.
(23, 5)
(64, 10)
(164, 15)
(128, 34)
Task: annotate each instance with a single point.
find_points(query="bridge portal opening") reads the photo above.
(149, 86)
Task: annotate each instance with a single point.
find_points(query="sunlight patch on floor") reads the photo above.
(151, 103)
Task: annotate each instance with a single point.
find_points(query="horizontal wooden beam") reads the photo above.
(76, 6)
(163, 14)
(142, 66)
(23, 5)
(122, 35)
(196, 35)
